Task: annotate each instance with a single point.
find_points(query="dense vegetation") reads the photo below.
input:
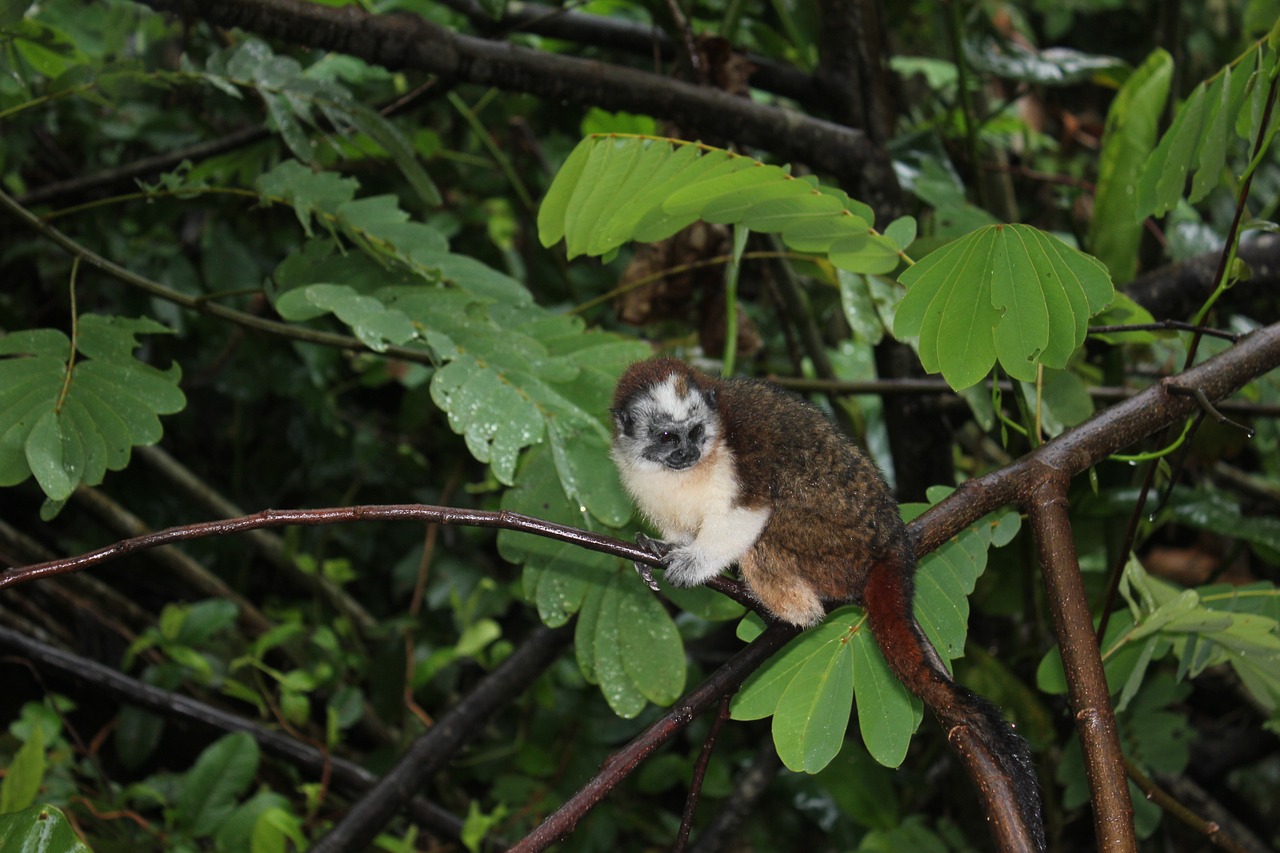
(385, 260)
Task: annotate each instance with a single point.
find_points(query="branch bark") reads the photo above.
(404, 41)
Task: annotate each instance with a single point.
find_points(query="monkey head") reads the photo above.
(664, 416)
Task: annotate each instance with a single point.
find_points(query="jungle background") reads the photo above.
(294, 251)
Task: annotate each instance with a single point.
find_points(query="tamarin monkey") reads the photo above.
(741, 471)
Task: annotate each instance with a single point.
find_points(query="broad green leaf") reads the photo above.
(490, 411)
(1197, 141)
(1006, 292)
(760, 693)
(1212, 154)
(39, 829)
(812, 715)
(557, 575)
(236, 833)
(1165, 175)
(211, 788)
(1132, 122)
(649, 645)
(617, 685)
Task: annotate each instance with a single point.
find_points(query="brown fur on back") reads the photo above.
(833, 514)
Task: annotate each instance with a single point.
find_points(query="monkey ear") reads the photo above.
(623, 420)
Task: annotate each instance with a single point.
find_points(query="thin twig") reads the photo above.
(700, 774)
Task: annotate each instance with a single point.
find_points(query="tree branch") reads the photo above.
(404, 41)
(1095, 719)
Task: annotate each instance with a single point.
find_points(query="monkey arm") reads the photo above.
(719, 543)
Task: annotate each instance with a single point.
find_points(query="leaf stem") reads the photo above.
(75, 332)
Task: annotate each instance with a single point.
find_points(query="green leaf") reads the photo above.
(238, 830)
(619, 688)
(887, 713)
(1132, 121)
(1007, 292)
(613, 190)
(490, 411)
(812, 714)
(763, 689)
(26, 771)
(40, 829)
(220, 776)
(557, 575)
(1164, 177)
(68, 433)
(649, 645)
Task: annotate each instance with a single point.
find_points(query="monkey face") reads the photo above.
(669, 425)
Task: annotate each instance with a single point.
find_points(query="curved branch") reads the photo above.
(404, 41)
(634, 37)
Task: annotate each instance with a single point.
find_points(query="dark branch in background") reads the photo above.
(738, 806)
(632, 37)
(1178, 290)
(86, 186)
(407, 42)
(345, 776)
(432, 751)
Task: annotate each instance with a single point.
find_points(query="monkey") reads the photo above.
(742, 471)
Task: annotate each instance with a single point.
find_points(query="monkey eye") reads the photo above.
(668, 437)
(697, 432)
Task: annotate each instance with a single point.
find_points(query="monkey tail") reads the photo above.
(995, 756)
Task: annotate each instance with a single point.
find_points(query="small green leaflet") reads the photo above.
(1006, 292)
(1196, 143)
(615, 189)
(112, 403)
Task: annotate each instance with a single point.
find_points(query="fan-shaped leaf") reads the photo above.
(1007, 292)
(67, 430)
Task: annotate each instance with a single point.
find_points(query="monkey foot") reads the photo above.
(657, 548)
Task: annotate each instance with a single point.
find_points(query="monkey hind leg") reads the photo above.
(790, 599)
